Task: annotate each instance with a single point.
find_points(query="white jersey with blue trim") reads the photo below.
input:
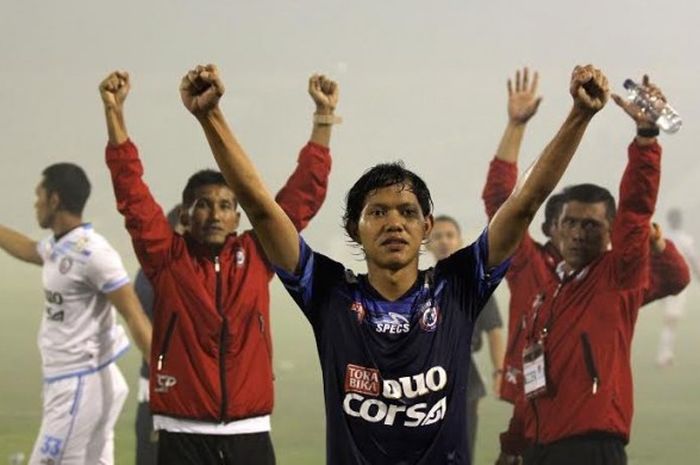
(79, 332)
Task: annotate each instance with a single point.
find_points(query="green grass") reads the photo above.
(665, 422)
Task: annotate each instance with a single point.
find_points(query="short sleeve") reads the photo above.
(315, 277)
(105, 269)
(467, 269)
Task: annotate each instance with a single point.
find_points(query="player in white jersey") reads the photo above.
(674, 306)
(84, 280)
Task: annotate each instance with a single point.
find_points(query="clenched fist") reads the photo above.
(201, 89)
(114, 89)
(589, 88)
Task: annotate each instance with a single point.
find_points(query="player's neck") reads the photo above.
(392, 284)
(64, 222)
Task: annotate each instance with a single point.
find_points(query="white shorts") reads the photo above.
(79, 413)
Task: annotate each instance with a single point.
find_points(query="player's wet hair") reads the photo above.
(70, 183)
(382, 175)
(201, 178)
(591, 193)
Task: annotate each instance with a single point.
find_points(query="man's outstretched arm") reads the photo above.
(201, 89)
(589, 89)
(19, 246)
(305, 190)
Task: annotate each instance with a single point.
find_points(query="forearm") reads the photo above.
(321, 133)
(141, 332)
(509, 147)
(273, 228)
(19, 246)
(512, 219)
(116, 128)
(497, 348)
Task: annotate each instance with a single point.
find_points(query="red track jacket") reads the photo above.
(211, 354)
(592, 316)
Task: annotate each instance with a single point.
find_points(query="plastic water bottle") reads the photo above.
(664, 115)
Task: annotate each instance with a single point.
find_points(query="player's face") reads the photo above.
(584, 233)
(392, 228)
(45, 213)
(213, 215)
(444, 240)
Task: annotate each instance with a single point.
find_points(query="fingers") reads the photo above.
(510, 87)
(535, 82)
(202, 79)
(115, 82)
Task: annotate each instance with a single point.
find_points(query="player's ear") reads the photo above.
(428, 224)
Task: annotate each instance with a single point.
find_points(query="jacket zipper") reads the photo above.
(222, 342)
(590, 362)
(166, 341)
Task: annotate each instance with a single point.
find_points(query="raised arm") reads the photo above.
(639, 189)
(19, 246)
(201, 89)
(148, 226)
(305, 190)
(523, 102)
(589, 89)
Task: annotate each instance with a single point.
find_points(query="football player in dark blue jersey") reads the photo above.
(394, 343)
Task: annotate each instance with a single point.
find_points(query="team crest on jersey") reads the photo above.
(65, 265)
(511, 374)
(164, 383)
(430, 315)
(240, 257)
(359, 310)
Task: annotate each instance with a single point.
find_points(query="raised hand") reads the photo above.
(324, 93)
(589, 88)
(114, 89)
(638, 114)
(201, 89)
(523, 100)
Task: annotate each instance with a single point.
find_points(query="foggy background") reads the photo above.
(420, 81)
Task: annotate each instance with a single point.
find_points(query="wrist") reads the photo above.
(323, 110)
(497, 372)
(208, 115)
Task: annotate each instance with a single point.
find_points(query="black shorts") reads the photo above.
(587, 449)
(211, 449)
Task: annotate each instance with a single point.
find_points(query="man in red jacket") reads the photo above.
(211, 382)
(572, 323)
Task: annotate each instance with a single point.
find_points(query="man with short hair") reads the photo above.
(211, 383)
(668, 271)
(393, 344)
(576, 324)
(84, 281)
(446, 239)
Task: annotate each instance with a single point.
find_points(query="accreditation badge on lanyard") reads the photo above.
(534, 370)
(534, 359)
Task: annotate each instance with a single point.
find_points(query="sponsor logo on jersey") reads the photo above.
(392, 323)
(429, 317)
(359, 310)
(65, 265)
(362, 380)
(391, 406)
(164, 383)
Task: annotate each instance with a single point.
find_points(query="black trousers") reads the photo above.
(589, 449)
(211, 449)
(146, 439)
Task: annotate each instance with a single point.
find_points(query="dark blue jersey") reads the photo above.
(395, 372)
